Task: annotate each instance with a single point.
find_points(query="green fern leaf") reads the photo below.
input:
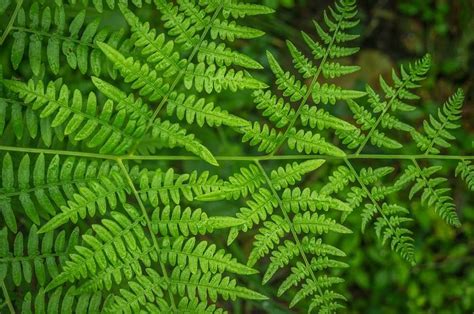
(176, 221)
(465, 170)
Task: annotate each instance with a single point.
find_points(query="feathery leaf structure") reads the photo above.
(300, 216)
(75, 40)
(339, 20)
(96, 216)
(438, 129)
(381, 114)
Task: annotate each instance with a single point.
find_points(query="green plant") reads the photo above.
(107, 229)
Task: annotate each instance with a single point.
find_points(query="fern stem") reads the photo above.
(56, 152)
(12, 20)
(178, 78)
(148, 222)
(53, 35)
(8, 302)
(290, 223)
(229, 158)
(310, 89)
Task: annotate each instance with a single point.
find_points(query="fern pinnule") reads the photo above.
(42, 186)
(432, 194)
(240, 184)
(43, 258)
(465, 170)
(166, 187)
(62, 301)
(200, 255)
(106, 127)
(75, 40)
(438, 129)
(172, 135)
(100, 195)
(177, 221)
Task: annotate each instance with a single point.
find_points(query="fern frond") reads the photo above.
(200, 256)
(312, 143)
(258, 208)
(431, 192)
(390, 228)
(43, 258)
(147, 292)
(149, 80)
(114, 240)
(107, 127)
(42, 188)
(292, 173)
(185, 21)
(98, 195)
(438, 130)
(157, 187)
(58, 302)
(367, 121)
(395, 100)
(176, 221)
(265, 137)
(240, 184)
(298, 200)
(172, 135)
(48, 26)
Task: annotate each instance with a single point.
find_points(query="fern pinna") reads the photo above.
(99, 216)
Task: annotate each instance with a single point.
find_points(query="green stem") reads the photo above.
(230, 158)
(12, 20)
(7, 298)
